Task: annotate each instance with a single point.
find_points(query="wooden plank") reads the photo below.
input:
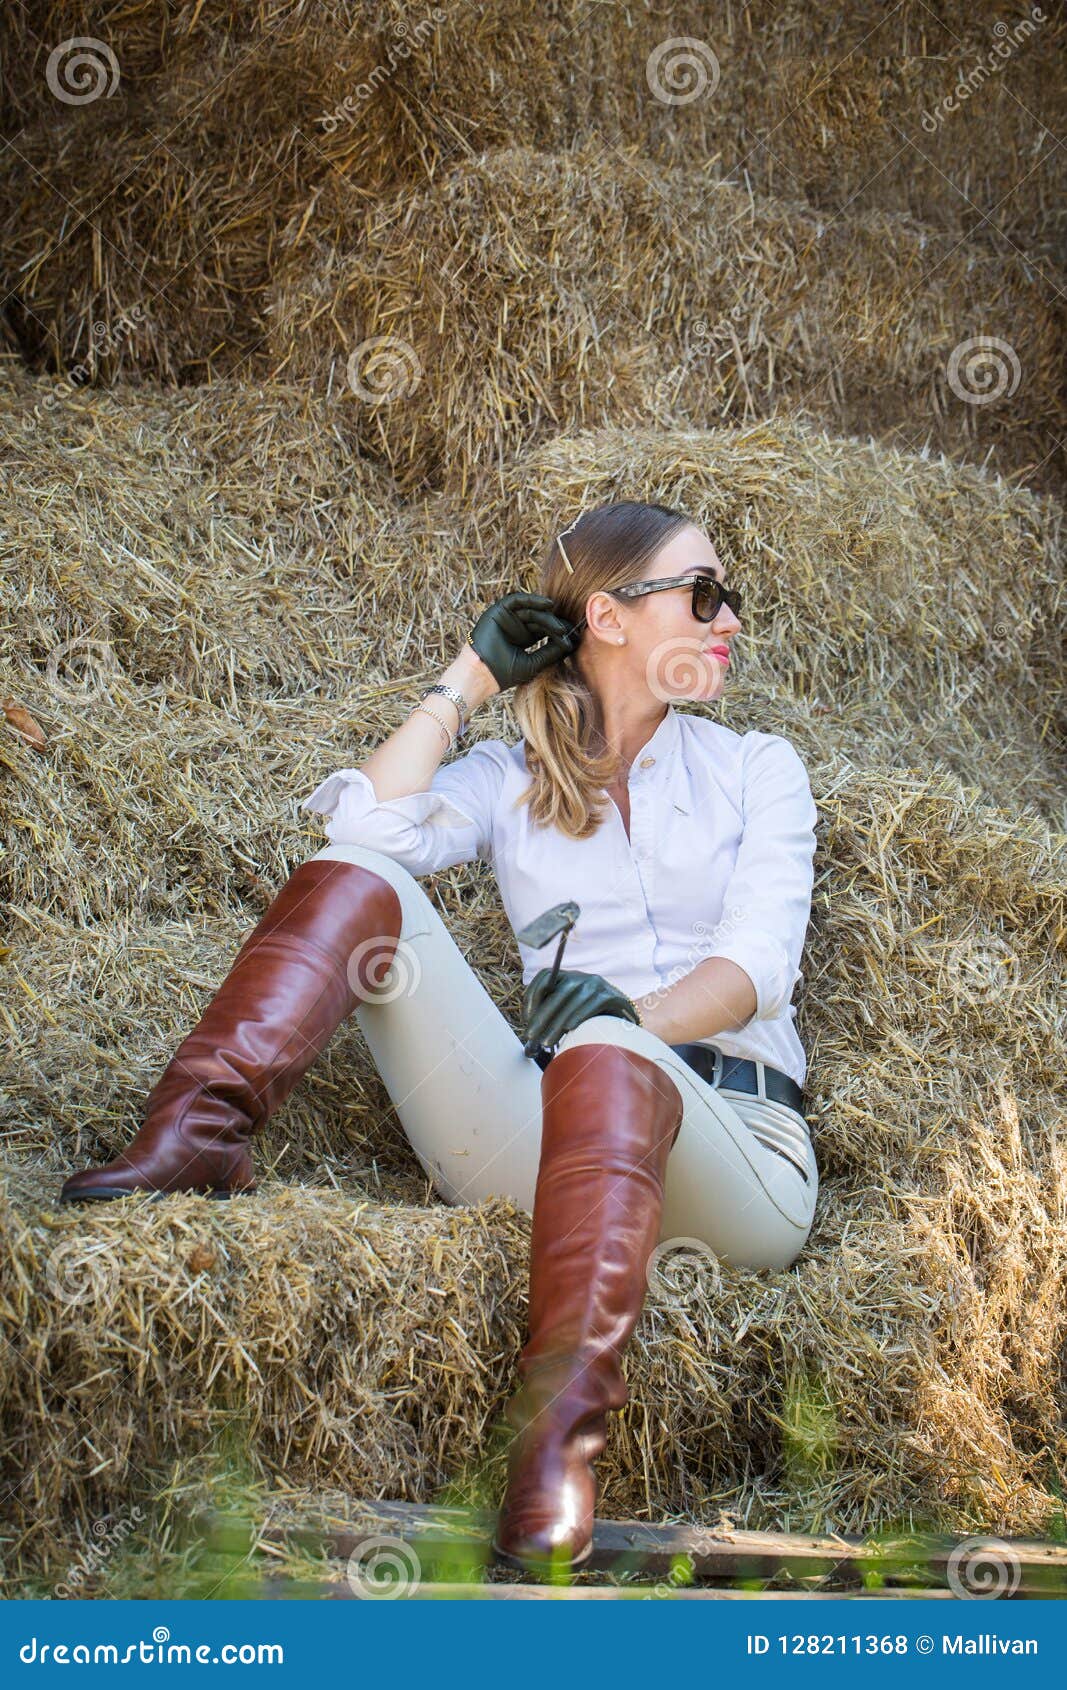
(339, 1590)
(439, 1535)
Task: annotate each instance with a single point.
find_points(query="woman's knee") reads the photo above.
(616, 1030)
(417, 911)
(626, 1035)
(388, 867)
(607, 1030)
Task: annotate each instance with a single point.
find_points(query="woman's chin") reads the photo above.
(709, 688)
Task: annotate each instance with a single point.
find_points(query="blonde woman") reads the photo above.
(663, 1100)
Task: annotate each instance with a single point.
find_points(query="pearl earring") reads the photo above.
(622, 639)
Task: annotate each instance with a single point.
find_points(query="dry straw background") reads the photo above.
(228, 570)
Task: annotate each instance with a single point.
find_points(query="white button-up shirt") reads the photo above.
(719, 862)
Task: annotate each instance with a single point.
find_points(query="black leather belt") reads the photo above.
(737, 1073)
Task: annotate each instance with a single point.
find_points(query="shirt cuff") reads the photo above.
(766, 962)
(363, 800)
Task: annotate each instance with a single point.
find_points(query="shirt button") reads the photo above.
(647, 762)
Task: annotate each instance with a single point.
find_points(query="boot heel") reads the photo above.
(573, 1564)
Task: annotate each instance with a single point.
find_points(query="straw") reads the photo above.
(266, 609)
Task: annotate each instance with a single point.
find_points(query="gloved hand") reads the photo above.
(550, 1011)
(502, 633)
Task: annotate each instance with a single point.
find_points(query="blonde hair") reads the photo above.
(559, 714)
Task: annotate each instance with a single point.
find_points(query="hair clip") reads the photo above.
(559, 540)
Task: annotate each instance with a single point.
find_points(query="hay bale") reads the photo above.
(834, 112)
(214, 160)
(344, 1327)
(148, 1329)
(498, 316)
(230, 122)
(178, 527)
(906, 1368)
(166, 539)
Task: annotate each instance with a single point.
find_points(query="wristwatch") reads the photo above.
(457, 699)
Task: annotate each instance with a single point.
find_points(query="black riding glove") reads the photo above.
(550, 1011)
(502, 633)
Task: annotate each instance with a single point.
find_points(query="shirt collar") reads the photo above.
(664, 743)
(665, 746)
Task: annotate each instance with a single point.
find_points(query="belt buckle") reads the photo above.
(716, 1072)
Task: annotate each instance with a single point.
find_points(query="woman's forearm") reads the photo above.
(409, 758)
(716, 996)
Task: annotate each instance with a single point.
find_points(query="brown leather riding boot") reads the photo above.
(322, 947)
(609, 1120)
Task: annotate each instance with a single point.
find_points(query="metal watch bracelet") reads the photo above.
(457, 699)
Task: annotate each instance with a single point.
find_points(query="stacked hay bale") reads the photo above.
(219, 558)
(214, 593)
(164, 539)
(219, 126)
(599, 290)
(906, 1370)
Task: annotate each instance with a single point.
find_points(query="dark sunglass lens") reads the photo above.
(706, 598)
(709, 596)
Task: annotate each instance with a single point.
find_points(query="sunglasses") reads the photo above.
(709, 594)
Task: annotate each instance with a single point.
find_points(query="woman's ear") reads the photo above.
(602, 617)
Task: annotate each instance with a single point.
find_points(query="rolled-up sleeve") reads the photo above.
(767, 903)
(452, 822)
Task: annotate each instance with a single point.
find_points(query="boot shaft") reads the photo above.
(323, 945)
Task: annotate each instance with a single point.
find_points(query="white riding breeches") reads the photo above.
(469, 1100)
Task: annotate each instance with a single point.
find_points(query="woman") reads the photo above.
(664, 1102)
